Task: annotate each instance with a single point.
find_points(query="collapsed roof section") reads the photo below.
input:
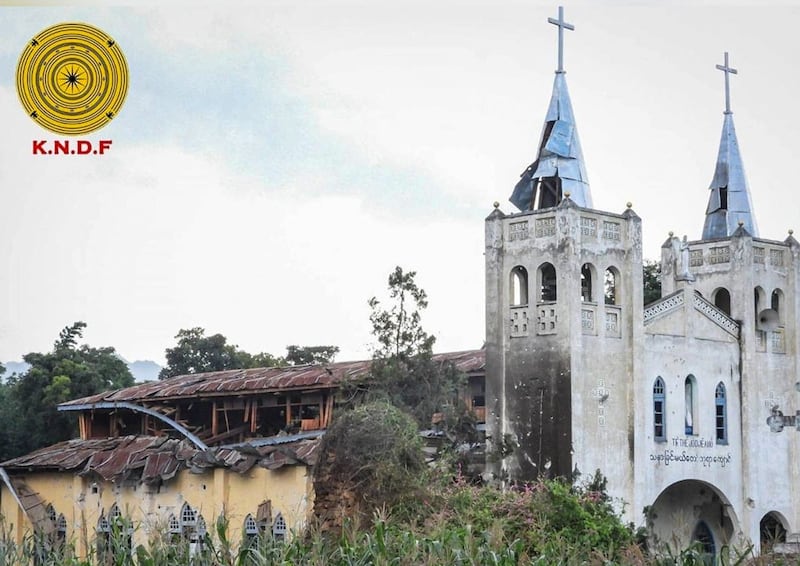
(729, 202)
(559, 167)
(151, 459)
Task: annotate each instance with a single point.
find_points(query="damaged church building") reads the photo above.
(170, 457)
(679, 403)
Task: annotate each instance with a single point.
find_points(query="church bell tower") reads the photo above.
(563, 303)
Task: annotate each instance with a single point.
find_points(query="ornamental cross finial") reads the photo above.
(727, 70)
(561, 25)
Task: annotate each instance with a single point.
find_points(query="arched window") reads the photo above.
(61, 529)
(519, 286)
(659, 405)
(772, 532)
(59, 525)
(102, 525)
(777, 303)
(188, 517)
(279, 528)
(721, 414)
(250, 530)
(548, 284)
(690, 396)
(759, 300)
(705, 537)
(250, 525)
(587, 278)
(722, 300)
(120, 527)
(114, 514)
(174, 525)
(610, 286)
(103, 537)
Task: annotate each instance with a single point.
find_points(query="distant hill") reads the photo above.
(142, 370)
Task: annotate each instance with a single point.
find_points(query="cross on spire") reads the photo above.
(727, 69)
(561, 25)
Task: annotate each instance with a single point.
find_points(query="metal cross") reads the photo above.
(561, 25)
(727, 70)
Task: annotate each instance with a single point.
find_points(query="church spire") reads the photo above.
(729, 201)
(559, 168)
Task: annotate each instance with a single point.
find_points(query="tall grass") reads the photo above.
(544, 524)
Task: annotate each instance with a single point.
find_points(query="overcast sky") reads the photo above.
(274, 161)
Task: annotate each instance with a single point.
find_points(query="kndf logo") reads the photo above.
(72, 79)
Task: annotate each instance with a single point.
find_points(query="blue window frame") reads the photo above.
(659, 406)
(721, 414)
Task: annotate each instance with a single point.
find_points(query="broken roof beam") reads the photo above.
(113, 405)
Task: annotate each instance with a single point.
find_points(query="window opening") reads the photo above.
(279, 528)
(548, 282)
(610, 286)
(659, 400)
(689, 396)
(721, 414)
(519, 286)
(722, 300)
(586, 283)
(772, 532)
(174, 525)
(704, 536)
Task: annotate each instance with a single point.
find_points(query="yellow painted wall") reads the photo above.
(83, 500)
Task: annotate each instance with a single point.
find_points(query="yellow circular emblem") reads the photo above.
(72, 79)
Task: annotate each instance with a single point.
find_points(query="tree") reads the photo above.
(197, 353)
(303, 355)
(652, 281)
(403, 368)
(374, 451)
(67, 372)
(398, 329)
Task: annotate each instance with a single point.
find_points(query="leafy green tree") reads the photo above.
(303, 355)
(652, 281)
(197, 353)
(398, 327)
(403, 368)
(69, 371)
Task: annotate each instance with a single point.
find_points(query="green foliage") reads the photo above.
(29, 418)
(374, 450)
(196, 353)
(397, 328)
(403, 370)
(651, 280)
(303, 355)
(459, 524)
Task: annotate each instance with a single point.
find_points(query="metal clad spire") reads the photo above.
(559, 166)
(561, 26)
(728, 70)
(729, 202)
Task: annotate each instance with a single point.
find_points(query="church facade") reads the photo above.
(678, 402)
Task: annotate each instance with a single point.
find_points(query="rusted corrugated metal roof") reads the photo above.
(151, 459)
(250, 381)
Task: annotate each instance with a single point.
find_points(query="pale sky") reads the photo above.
(274, 161)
